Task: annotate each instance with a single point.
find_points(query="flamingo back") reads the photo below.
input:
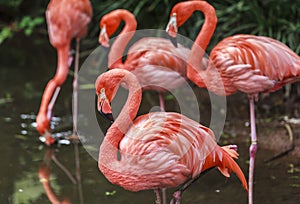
(273, 64)
(169, 147)
(67, 19)
(157, 61)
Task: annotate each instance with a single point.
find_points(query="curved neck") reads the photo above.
(52, 89)
(194, 65)
(117, 49)
(110, 145)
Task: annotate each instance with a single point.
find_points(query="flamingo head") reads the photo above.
(43, 124)
(172, 29)
(49, 140)
(180, 13)
(104, 106)
(106, 88)
(108, 26)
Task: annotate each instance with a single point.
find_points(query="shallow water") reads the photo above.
(26, 66)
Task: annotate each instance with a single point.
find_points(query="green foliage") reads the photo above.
(272, 18)
(5, 33)
(11, 3)
(26, 24)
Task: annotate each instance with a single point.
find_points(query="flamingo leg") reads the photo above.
(157, 195)
(161, 102)
(177, 194)
(252, 149)
(75, 88)
(164, 195)
(52, 102)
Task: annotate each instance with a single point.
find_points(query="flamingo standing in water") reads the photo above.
(155, 61)
(66, 19)
(246, 63)
(156, 150)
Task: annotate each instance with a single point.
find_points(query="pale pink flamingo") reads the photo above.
(156, 63)
(157, 150)
(246, 63)
(66, 19)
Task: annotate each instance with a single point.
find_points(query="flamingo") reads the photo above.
(247, 63)
(158, 149)
(66, 19)
(156, 63)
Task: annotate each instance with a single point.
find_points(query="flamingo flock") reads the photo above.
(162, 150)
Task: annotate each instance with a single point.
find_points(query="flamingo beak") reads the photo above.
(103, 37)
(172, 29)
(49, 140)
(104, 107)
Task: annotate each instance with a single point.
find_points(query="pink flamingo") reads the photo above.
(66, 19)
(157, 150)
(155, 61)
(246, 63)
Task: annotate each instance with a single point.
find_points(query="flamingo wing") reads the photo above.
(255, 63)
(67, 19)
(167, 144)
(155, 61)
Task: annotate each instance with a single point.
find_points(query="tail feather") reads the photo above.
(228, 165)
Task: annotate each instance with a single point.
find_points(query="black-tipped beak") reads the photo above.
(173, 40)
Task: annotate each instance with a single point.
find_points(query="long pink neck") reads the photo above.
(194, 68)
(118, 47)
(110, 145)
(59, 78)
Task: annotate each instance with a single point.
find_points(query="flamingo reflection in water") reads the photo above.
(45, 173)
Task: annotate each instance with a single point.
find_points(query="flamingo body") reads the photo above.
(66, 19)
(272, 64)
(157, 150)
(156, 62)
(246, 63)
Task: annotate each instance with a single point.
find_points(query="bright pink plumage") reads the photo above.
(66, 19)
(272, 64)
(247, 63)
(157, 150)
(156, 62)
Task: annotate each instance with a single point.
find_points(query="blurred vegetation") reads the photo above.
(273, 18)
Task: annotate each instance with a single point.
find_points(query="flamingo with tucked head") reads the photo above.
(155, 61)
(246, 63)
(66, 19)
(156, 150)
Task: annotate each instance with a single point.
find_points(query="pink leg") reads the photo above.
(157, 195)
(176, 197)
(164, 195)
(52, 102)
(75, 88)
(161, 101)
(252, 149)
